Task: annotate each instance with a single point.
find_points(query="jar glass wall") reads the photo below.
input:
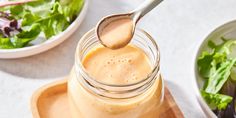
(89, 98)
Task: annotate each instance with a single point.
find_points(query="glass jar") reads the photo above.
(90, 98)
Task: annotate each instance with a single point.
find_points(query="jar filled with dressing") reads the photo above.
(121, 83)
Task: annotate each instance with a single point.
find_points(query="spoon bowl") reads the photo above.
(134, 16)
(106, 21)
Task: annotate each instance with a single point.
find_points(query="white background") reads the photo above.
(179, 26)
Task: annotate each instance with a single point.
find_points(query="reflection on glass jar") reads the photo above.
(90, 98)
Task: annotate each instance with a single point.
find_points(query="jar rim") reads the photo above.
(78, 61)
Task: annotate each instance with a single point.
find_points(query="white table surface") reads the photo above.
(179, 26)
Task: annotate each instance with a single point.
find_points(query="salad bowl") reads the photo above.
(39, 46)
(227, 31)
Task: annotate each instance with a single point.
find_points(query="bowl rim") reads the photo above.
(226, 26)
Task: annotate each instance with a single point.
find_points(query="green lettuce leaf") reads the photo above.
(71, 8)
(41, 8)
(21, 39)
(55, 23)
(221, 75)
(205, 64)
(17, 11)
(5, 43)
(218, 101)
(29, 18)
(208, 62)
(216, 66)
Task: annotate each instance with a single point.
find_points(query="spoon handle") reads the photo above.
(143, 9)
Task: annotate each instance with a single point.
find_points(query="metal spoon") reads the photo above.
(134, 15)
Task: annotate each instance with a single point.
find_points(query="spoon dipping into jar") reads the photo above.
(116, 31)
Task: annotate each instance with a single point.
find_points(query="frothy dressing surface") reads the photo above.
(122, 66)
(117, 33)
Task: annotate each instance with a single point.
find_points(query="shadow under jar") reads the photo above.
(90, 98)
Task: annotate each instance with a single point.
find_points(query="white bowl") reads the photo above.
(52, 42)
(227, 30)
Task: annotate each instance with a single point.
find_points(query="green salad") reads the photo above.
(21, 24)
(217, 67)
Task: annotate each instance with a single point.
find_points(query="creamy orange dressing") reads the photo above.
(84, 104)
(117, 34)
(122, 66)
